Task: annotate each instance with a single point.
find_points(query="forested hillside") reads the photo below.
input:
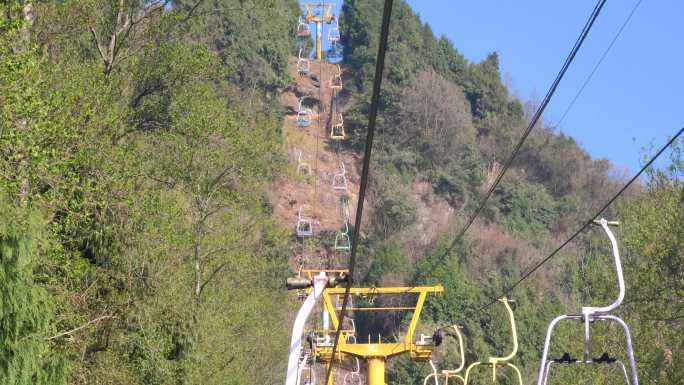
(143, 145)
(451, 123)
(134, 136)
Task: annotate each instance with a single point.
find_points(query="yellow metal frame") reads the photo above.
(311, 17)
(495, 362)
(376, 353)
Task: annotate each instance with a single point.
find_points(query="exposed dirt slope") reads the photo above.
(314, 192)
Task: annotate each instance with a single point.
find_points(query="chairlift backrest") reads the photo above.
(500, 362)
(449, 373)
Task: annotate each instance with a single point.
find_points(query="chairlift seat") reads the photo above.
(339, 181)
(337, 129)
(303, 115)
(342, 242)
(303, 66)
(566, 358)
(304, 226)
(336, 79)
(604, 359)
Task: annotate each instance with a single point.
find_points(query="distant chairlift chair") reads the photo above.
(588, 316)
(303, 168)
(303, 29)
(336, 80)
(334, 33)
(337, 128)
(303, 64)
(455, 332)
(334, 53)
(339, 181)
(304, 224)
(303, 115)
(306, 374)
(497, 362)
(342, 240)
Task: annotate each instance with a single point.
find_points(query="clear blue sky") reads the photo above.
(635, 99)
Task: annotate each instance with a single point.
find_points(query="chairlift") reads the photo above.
(448, 373)
(339, 181)
(344, 208)
(303, 168)
(303, 115)
(334, 53)
(302, 372)
(303, 29)
(354, 377)
(303, 64)
(334, 33)
(337, 128)
(336, 80)
(342, 240)
(304, 224)
(498, 362)
(588, 315)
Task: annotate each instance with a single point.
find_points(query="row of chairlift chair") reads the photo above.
(587, 316)
(304, 227)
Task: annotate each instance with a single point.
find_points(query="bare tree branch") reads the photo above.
(72, 331)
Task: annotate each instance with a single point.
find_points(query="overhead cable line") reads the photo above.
(598, 64)
(587, 222)
(533, 122)
(375, 99)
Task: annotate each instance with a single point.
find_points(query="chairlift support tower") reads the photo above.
(375, 353)
(319, 13)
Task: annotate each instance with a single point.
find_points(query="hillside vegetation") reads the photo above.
(143, 148)
(451, 123)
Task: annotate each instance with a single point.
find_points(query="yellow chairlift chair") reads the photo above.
(455, 332)
(496, 362)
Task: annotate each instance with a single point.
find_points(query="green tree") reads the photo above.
(26, 311)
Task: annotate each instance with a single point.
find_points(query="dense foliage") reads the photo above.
(134, 249)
